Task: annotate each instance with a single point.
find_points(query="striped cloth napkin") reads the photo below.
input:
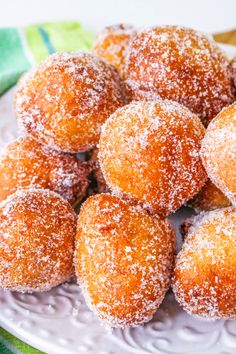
(12, 345)
(22, 48)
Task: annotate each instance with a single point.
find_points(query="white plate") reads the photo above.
(59, 322)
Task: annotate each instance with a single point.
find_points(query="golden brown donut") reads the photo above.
(233, 67)
(112, 44)
(209, 198)
(37, 230)
(219, 152)
(185, 226)
(97, 173)
(64, 101)
(123, 260)
(180, 64)
(149, 154)
(204, 280)
(27, 163)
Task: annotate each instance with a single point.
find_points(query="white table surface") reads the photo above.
(205, 15)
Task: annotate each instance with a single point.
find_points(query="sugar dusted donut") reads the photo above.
(123, 260)
(204, 280)
(112, 44)
(27, 163)
(180, 64)
(97, 173)
(149, 154)
(233, 67)
(219, 151)
(185, 226)
(37, 230)
(209, 198)
(66, 99)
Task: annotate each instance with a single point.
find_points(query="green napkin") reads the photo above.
(22, 48)
(12, 345)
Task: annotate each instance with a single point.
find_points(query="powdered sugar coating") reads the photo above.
(204, 278)
(64, 101)
(180, 64)
(149, 154)
(112, 44)
(219, 151)
(124, 259)
(27, 163)
(37, 229)
(209, 198)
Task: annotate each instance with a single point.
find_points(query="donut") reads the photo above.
(185, 226)
(204, 279)
(123, 260)
(179, 64)
(37, 231)
(149, 154)
(112, 43)
(209, 198)
(64, 101)
(219, 152)
(27, 163)
(101, 186)
(233, 67)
